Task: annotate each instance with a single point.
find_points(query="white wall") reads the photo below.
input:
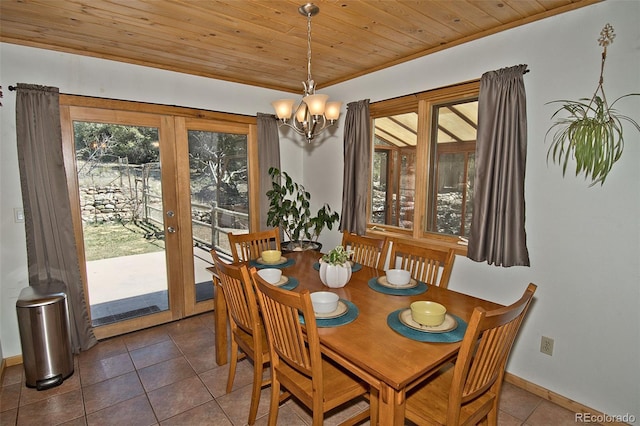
(74, 74)
(584, 242)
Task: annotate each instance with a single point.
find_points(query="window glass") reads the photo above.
(423, 162)
(394, 170)
(219, 187)
(454, 167)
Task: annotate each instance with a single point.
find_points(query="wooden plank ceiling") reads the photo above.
(264, 42)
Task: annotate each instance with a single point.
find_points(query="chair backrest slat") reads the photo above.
(245, 247)
(281, 311)
(367, 251)
(242, 305)
(425, 264)
(484, 351)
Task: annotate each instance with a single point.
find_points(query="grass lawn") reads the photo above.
(116, 240)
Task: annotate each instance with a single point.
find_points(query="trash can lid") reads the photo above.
(40, 295)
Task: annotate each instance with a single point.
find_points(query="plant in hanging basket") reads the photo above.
(592, 132)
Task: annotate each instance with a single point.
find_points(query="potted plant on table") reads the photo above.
(335, 267)
(289, 209)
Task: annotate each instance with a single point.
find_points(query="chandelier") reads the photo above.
(313, 114)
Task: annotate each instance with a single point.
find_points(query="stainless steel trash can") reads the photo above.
(43, 321)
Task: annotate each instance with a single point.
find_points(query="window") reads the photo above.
(423, 162)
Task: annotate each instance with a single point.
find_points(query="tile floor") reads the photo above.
(167, 375)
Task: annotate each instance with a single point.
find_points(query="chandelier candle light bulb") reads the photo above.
(283, 107)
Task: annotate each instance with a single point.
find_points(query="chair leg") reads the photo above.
(318, 412)
(492, 418)
(255, 391)
(275, 400)
(233, 363)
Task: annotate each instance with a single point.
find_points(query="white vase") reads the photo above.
(335, 276)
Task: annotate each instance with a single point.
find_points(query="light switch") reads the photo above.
(18, 215)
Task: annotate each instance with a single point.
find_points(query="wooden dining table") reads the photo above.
(390, 362)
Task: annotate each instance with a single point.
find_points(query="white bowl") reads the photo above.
(398, 277)
(270, 275)
(324, 302)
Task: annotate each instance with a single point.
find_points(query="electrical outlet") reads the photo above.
(546, 345)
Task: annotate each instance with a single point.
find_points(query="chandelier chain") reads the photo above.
(309, 47)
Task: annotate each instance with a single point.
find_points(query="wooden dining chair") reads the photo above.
(245, 247)
(296, 362)
(368, 251)
(469, 391)
(247, 329)
(424, 263)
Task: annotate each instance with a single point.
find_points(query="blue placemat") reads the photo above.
(354, 268)
(258, 265)
(393, 320)
(291, 284)
(419, 289)
(350, 316)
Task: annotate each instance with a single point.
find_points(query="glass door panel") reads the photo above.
(120, 190)
(218, 184)
(121, 206)
(122, 161)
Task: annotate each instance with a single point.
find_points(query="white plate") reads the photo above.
(279, 262)
(383, 282)
(340, 310)
(449, 323)
(283, 280)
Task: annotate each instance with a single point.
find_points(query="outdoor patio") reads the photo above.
(121, 288)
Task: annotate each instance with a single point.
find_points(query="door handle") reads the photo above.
(171, 229)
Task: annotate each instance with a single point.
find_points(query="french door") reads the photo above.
(215, 178)
(143, 249)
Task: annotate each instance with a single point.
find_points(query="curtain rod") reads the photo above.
(14, 88)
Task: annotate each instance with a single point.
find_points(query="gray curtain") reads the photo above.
(497, 227)
(51, 246)
(268, 156)
(357, 167)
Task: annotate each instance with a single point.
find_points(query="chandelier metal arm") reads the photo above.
(308, 129)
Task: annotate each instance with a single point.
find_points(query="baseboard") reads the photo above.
(555, 398)
(13, 360)
(8, 362)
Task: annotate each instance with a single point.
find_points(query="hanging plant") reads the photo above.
(592, 133)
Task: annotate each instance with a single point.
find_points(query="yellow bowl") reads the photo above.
(271, 256)
(428, 313)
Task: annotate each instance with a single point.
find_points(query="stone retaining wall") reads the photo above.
(105, 204)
